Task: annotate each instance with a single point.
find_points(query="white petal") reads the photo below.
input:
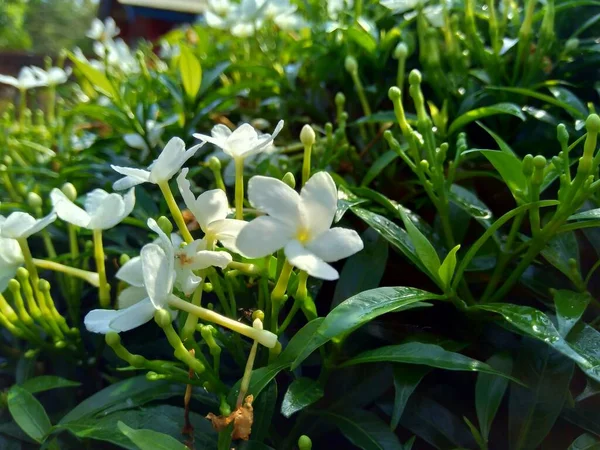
(67, 210)
(136, 141)
(226, 231)
(221, 143)
(305, 260)
(169, 161)
(130, 296)
(108, 213)
(209, 207)
(17, 224)
(159, 274)
(220, 131)
(163, 240)
(104, 320)
(263, 236)
(131, 272)
(187, 281)
(336, 244)
(205, 258)
(132, 178)
(94, 199)
(276, 198)
(318, 203)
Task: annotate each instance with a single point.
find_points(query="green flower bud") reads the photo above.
(112, 339)
(258, 314)
(307, 135)
(562, 134)
(394, 93)
(401, 50)
(214, 163)
(415, 77)
(208, 287)
(289, 179)
(340, 99)
(69, 190)
(34, 200)
(165, 225)
(304, 443)
(44, 285)
(571, 44)
(124, 259)
(60, 344)
(539, 162)
(351, 64)
(527, 165)
(592, 124)
(162, 318)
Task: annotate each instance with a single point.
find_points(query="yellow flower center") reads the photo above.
(303, 235)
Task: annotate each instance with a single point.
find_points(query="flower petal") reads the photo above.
(132, 177)
(208, 207)
(108, 213)
(104, 320)
(130, 296)
(136, 141)
(67, 210)
(159, 274)
(275, 198)
(220, 131)
(163, 240)
(206, 258)
(131, 272)
(17, 224)
(94, 199)
(187, 281)
(226, 231)
(318, 203)
(263, 236)
(304, 259)
(336, 244)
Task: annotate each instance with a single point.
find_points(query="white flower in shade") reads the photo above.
(53, 76)
(168, 163)
(102, 31)
(154, 131)
(298, 223)
(27, 79)
(210, 210)
(11, 258)
(102, 210)
(20, 225)
(335, 7)
(243, 142)
(131, 273)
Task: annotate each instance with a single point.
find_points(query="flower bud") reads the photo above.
(304, 443)
(124, 259)
(60, 344)
(69, 190)
(34, 200)
(572, 44)
(7, 160)
(289, 179)
(592, 124)
(415, 77)
(258, 314)
(351, 64)
(539, 164)
(562, 134)
(394, 93)
(340, 99)
(214, 163)
(401, 51)
(165, 225)
(527, 165)
(162, 318)
(307, 135)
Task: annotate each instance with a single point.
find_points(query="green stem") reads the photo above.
(306, 164)
(91, 277)
(29, 264)
(191, 321)
(175, 211)
(239, 188)
(104, 287)
(278, 294)
(22, 104)
(360, 91)
(245, 383)
(51, 104)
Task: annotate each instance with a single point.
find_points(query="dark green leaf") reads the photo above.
(346, 200)
(533, 410)
(360, 309)
(562, 248)
(47, 382)
(504, 147)
(489, 391)
(469, 203)
(301, 393)
(585, 442)
(570, 306)
(210, 76)
(586, 215)
(28, 413)
(568, 98)
(363, 429)
(264, 407)
(377, 167)
(479, 113)
(543, 97)
(363, 270)
(149, 439)
(406, 380)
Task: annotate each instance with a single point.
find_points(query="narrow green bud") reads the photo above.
(394, 93)
(572, 45)
(304, 443)
(214, 163)
(562, 134)
(124, 259)
(340, 99)
(415, 77)
(527, 165)
(289, 179)
(307, 135)
(34, 200)
(69, 190)
(351, 64)
(401, 51)
(539, 164)
(165, 224)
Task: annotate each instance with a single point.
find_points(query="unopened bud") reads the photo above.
(289, 179)
(304, 443)
(340, 99)
(307, 135)
(592, 124)
(562, 134)
(527, 165)
(401, 51)
(165, 224)
(214, 163)
(34, 200)
(258, 314)
(351, 64)
(124, 259)
(415, 77)
(394, 93)
(257, 324)
(69, 190)
(571, 44)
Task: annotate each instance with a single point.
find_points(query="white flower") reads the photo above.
(102, 210)
(210, 210)
(98, 65)
(243, 142)
(154, 131)
(52, 76)
(11, 258)
(168, 163)
(20, 225)
(27, 79)
(298, 223)
(118, 55)
(335, 7)
(102, 31)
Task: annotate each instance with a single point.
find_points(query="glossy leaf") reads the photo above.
(446, 270)
(485, 111)
(302, 392)
(46, 383)
(360, 309)
(585, 442)
(190, 71)
(560, 249)
(377, 167)
(543, 97)
(504, 147)
(586, 215)
(264, 407)
(424, 249)
(533, 410)
(568, 98)
(469, 202)
(346, 200)
(406, 380)
(149, 439)
(424, 354)
(95, 77)
(361, 37)
(28, 413)
(363, 270)
(489, 391)
(364, 429)
(509, 168)
(570, 306)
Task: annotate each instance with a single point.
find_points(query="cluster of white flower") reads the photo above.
(34, 77)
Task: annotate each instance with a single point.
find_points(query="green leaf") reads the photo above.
(95, 77)
(585, 442)
(469, 202)
(363, 429)
(302, 392)
(504, 147)
(361, 37)
(264, 407)
(346, 200)
(446, 270)
(534, 410)
(424, 354)
(28, 413)
(377, 167)
(212, 75)
(560, 250)
(586, 215)
(425, 251)
(149, 439)
(406, 380)
(543, 97)
(47, 382)
(190, 71)
(475, 433)
(360, 309)
(489, 391)
(479, 113)
(510, 169)
(570, 306)
(568, 98)
(363, 270)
